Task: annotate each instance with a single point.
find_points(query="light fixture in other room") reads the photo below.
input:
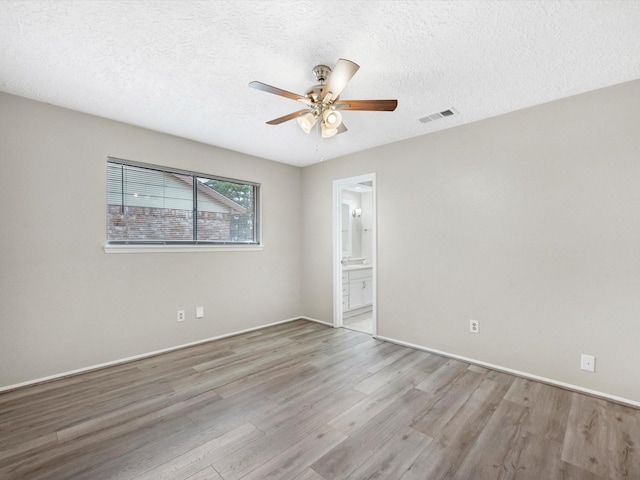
(307, 121)
(357, 213)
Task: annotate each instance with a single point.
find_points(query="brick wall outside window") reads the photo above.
(160, 224)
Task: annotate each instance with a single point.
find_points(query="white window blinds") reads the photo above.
(154, 205)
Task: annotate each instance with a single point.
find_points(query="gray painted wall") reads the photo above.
(65, 304)
(528, 222)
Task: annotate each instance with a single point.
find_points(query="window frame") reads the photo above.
(153, 246)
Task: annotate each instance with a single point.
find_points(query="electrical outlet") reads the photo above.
(181, 315)
(588, 363)
(474, 326)
(199, 312)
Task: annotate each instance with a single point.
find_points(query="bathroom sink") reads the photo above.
(354, 261)
(356, 266)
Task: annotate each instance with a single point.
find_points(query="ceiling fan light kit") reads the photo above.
(328, 132)
(307, 121)
(323, 100)
(332, 118)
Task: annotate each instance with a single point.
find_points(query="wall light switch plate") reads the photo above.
(199, 312)
(588, 363)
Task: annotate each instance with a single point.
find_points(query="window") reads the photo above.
(156, 205)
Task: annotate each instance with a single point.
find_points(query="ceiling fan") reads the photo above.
(323, 103)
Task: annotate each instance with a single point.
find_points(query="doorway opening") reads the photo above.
(354, 254)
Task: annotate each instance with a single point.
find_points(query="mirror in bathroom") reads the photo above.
(345, 220)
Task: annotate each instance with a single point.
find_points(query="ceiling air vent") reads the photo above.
(438, 115)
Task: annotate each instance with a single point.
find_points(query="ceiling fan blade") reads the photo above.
(286, 118)
(371, 105)
(278, 91)
(341, 129)
(340, 76)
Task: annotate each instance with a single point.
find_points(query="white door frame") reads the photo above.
(337, 247)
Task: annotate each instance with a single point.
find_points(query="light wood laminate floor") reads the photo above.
(307, 402)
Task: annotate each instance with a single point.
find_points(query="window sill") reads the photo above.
(180, 248)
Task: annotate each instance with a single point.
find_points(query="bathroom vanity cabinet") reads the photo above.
(357, 288)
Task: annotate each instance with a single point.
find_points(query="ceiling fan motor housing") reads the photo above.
(321, 72)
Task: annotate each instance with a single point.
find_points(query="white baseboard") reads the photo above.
(317, 321)
(143, 355)
(518, 373)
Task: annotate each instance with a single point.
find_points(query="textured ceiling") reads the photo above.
(182, 67)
